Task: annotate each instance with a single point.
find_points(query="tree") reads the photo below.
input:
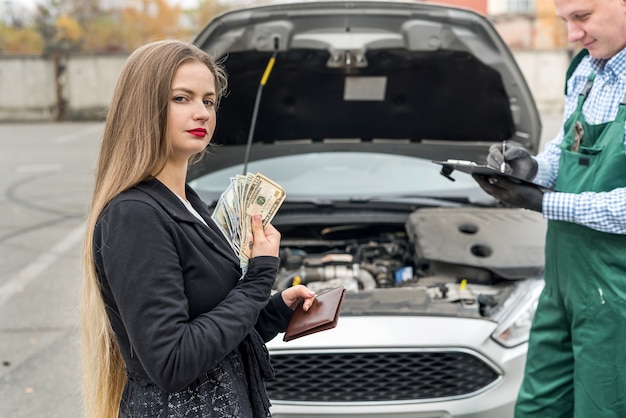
(84, 10)
(205, 11)
(151, 20)
(104, 34)
(68, 34)
(69, 26)
(23, 41)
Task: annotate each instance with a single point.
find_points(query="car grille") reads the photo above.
(377, 376)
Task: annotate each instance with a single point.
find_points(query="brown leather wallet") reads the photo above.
(323, 315)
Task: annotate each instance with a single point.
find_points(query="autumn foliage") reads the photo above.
(75, 26)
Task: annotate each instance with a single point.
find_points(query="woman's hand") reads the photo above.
(294, 295)
(266, 241)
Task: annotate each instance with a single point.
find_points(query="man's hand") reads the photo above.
(519, 195)
(265, 241)
(518, 161)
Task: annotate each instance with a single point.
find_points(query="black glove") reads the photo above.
(518, 161)
(515, 194)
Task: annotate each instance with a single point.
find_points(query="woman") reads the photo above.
(168, 327)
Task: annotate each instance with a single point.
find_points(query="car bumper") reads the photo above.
(389, 334)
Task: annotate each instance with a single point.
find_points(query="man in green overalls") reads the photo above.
(576, 363)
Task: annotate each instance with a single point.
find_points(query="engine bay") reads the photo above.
(444, 261)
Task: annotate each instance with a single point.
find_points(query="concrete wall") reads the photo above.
(28, 87)
(90, 84)
(545, 74)
(28, 90)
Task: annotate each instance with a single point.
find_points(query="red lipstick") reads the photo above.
(199, 132)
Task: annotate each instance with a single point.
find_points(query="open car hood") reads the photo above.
(382, 76)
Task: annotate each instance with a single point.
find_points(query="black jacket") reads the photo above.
(172, 290)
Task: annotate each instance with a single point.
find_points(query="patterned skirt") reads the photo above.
(222, 392)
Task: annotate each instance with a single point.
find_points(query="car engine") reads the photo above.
(466, 257)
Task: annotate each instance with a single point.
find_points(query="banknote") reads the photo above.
(225, 215)
(264, 197)
(247, 195)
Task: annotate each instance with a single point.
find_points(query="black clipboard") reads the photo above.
(471, 167)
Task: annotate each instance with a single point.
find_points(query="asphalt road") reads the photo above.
(46, 173)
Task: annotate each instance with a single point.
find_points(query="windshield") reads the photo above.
(346, 175)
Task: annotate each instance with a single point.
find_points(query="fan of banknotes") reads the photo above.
(246, 195)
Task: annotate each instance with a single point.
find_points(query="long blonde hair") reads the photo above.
(134, 147)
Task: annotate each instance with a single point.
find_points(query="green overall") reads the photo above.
(576, 364)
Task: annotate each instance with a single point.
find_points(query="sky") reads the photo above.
(27, 3)
(24, 7)
(30, 4)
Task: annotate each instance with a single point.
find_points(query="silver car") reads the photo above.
(346, 104)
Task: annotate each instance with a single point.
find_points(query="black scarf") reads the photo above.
(257, 366)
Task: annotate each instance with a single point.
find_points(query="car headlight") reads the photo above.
(516, 319)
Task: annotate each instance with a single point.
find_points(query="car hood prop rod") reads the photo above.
(257, 101)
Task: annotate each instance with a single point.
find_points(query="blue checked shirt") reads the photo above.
(605, 211)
